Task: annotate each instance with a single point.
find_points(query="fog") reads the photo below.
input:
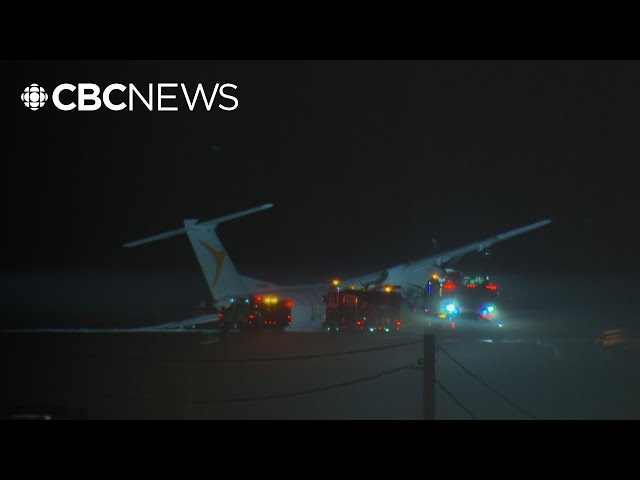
(570, 351)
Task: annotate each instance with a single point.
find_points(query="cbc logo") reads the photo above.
(161, 97)
(34, 96)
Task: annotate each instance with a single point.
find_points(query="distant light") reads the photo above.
(233, 299)
(386, 329)
(453, 324)
(471, 285)
(500, 325)
(388, 288)
(246, 300)
(258, 299)
(435, 277)
(288, 304)
(336, 282)
(398, 323)
(371, 329)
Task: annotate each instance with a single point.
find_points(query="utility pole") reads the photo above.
(429, 377)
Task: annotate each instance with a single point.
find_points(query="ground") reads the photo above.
(569, 355)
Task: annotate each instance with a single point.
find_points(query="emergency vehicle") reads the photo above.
(454, 295)
(258, 312)
(362, 309)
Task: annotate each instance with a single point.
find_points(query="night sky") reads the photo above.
(365, 161)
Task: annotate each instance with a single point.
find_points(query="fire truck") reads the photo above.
(456, 295)
(257, 312)
(362, 309)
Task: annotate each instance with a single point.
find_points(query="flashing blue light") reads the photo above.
(491, 308)
(500, 325)
(386, 329)
(450, 307)
(246, 300)
(233, 300)
(371, 329)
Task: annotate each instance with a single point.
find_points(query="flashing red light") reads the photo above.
(288, 304)
(289, 317)
(491, 286)
(219, 315)
(449, 286)
(359, 322)
(258, 299)
(471, 285)
(398, 323)
(252, 316)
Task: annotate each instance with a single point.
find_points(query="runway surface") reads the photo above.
(573, 355)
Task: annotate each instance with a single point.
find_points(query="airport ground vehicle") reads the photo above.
(362, 309)
(468, 295)
(473, 302)
(257, 312)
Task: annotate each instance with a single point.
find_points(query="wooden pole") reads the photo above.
(429, 377)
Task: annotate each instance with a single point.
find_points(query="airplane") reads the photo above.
(225, 282)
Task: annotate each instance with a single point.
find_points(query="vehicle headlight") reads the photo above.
(450, 307)
(487, 309)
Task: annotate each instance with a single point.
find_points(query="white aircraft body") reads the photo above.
(225, 282)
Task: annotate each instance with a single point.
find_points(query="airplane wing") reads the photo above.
(180, 326)
(418, 271)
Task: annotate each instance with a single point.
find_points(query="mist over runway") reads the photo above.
(570, 351)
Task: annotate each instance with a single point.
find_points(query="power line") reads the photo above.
(455, 399)
(257, 359)
(264, 397)
(466, 370)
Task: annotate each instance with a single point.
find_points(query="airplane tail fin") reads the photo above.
(220, 273)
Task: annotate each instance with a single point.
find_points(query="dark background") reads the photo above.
(365, 161)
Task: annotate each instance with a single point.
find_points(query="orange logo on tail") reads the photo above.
(219, 256)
